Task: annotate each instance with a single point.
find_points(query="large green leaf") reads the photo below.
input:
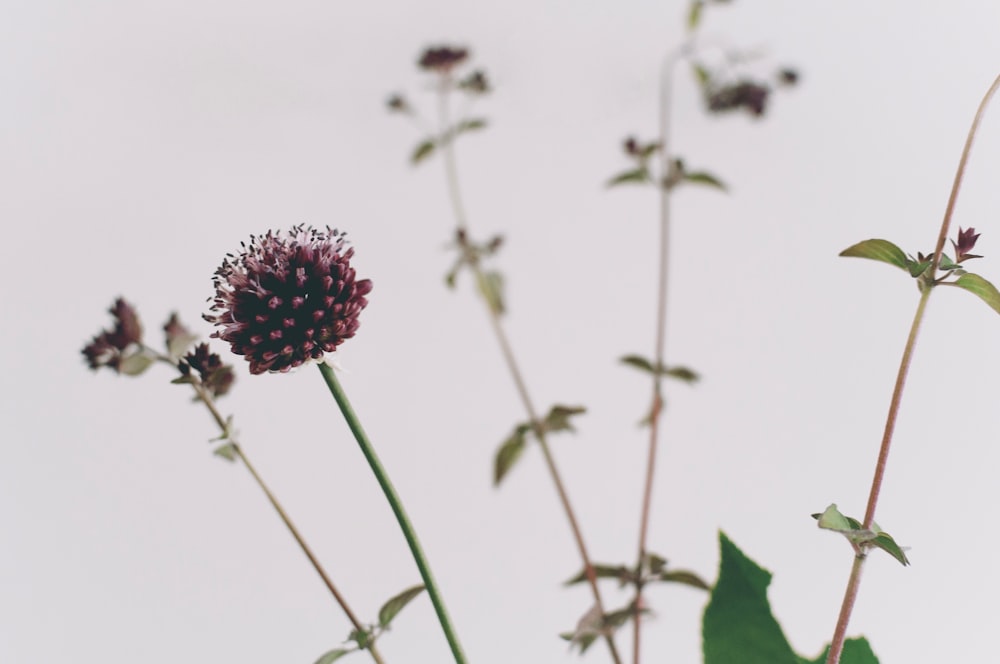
(738, 625)
(878, 250)
(856, 651)
(981, 287)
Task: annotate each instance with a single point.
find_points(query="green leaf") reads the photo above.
(135, 363)
(976, 285)
(227, 452)
(396, 604)
(917, 268)
(362, 637)
(707, 179)
(638, 175)
(832, 519)
(558, 418)
(619, 572)
(333, 655)
(680, 373)
(738, 625)
(947, 264)
(885, 542)
(422, 151)
(638, 362)
(491, 288)
(878, 250)
(856, 651)
(510, 451)
(685, 577)
(472, 124)
(694, 14)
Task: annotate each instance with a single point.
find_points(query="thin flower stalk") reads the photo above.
(397, 509)
(854, 582)
(496, 324)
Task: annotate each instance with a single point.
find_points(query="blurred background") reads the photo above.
(142, 141)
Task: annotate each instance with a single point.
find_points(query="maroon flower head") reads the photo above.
(286, 300)
(215, 376)
(442, 58)
(745, 94)
(107, 348)
(966, 243)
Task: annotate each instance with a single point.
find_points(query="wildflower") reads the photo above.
(110, 347)
(216, 377)
(286, 300)
(966, 243)
(442, 59)
(745, 94)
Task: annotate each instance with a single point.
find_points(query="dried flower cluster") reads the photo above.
(286, 300)
(108, 348)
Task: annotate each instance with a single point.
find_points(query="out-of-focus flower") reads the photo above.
(476, 83)
(108, 348)
(178, 337)
(745, 94)
(966, 243)
(286, 300)
(216, 377)
(442, 59)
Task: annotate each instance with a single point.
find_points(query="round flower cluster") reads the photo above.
(285, 300)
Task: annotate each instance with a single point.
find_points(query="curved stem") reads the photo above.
(397, 508)
(458, 209)
(854, 582)
(209, 404)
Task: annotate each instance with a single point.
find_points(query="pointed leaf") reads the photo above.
(638, 362)
(396, 604)
(491, 288)
(707, 179)
(885, 542)
(558, 418)
(702, 75)
(856, 651)
(332, 655)
(472, 124)
(227, 451)
(619, 572)
(422, 151)
(832, 519)
(682, 374)
(738, 625)
(878, 250)
(685, 577)
(917, 268)
(508, 454)
(986, 291)
(638, 175)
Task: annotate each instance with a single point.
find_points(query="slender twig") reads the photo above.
(397, 508)
(854, 582)
(666, 85)
(209, 404)
(454, 192)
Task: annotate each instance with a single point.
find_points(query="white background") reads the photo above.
(141, 141)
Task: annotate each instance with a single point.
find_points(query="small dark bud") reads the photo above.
(788, 77)
(396, 103)
(965, 244)
(216, 377)
(745, 94)
(631, 147)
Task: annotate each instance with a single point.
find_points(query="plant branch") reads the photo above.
(854, 582)
(397, 509)
(209, 403)
(454, 192)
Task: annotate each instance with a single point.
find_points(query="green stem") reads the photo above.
(397, 508)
